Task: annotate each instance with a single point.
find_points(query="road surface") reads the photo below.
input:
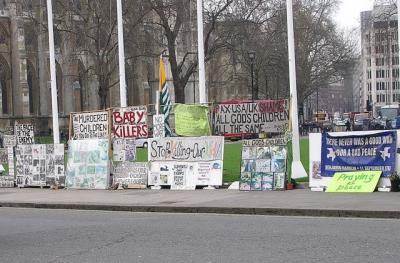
(35, 235)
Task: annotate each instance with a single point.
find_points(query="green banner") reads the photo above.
(191, 120)
(354, 182)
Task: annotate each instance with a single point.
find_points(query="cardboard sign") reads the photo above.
(25, 134)
(158, 126)
(260, 116)
(90, 125)
(354, 182)
(124, 150)
(9, 141)
(132, 175)
(191, 120)
(186, 149)
(88, 166)
(40, 165)
(130, 122)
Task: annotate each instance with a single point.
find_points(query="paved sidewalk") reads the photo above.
(300, 202)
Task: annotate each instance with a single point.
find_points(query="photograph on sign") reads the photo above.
(256, 181)
(267, 181)
(245, 181)
(6, 169)
(9, 141)
(124, 150)
(88, 165)
(252, 117)
(279, 181)
(130, 122)
(90, 125)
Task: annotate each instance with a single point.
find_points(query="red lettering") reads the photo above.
(117, 117)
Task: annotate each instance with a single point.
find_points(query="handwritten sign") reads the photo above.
(158, 126)
(132, 175)
(257, 117)
(186, 149)
(130, 122)
(191, 120)
(90, 125)
(25, 133)
(354, 182)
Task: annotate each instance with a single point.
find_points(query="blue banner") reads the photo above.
(372, 152)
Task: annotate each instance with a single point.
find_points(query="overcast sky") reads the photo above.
(348, 16)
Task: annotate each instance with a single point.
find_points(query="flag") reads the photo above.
(165, 98)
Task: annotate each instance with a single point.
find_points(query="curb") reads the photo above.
(214, 210)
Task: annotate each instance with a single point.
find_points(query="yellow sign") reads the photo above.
(354, 182)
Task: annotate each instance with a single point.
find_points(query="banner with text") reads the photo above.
(372, 152)
(90, 125)
(191, 120)
(186, 149)
(254, 117)
(130, 122)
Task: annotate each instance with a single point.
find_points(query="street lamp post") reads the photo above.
(252, 56)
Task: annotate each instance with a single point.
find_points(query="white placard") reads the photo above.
(158, 126)
(90, 125)
(25, 133)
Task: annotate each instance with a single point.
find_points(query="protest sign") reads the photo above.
(191, 120)
(354, 182)
(25, 133)
(370, 152)
(9, 141)
(124, 150)
(263, 165)
(90, 125)
(6, 169)
(130, 122)
(40, 165)
(88, 165)
(158, 126)
(186, 149)
(255, 117)
(188, 161)
(131, 175)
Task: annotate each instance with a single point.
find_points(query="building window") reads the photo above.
(380, 62)
(369, 75)
(369, 62)
(380, 73)
(395, 60)
(379, 49)
(395, 48)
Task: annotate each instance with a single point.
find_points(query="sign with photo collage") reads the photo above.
(88, 166)
(7, 167)
(124, 150)
(40, 165)
(263, 165)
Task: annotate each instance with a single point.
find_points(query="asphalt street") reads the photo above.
(37, 235)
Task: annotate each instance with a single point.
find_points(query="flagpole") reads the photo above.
(298, 170)
(200, 39)
(54, 102)
(121, 55)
